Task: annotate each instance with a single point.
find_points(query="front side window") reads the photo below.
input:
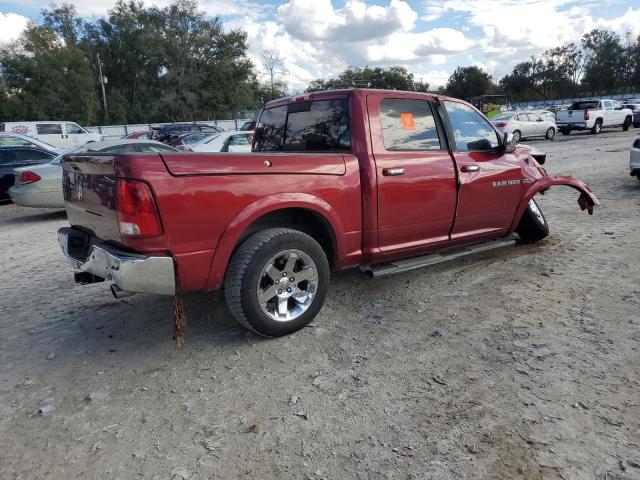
(49, 128)
(408, 125)
(73, 129)
(316, 126)
(471, 131)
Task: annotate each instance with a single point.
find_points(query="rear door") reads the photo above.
(416, 175)
(490, 179)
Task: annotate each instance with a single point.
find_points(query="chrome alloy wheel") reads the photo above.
(287, 285)
(536, 211)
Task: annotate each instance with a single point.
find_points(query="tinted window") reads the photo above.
(72, 128)
(129, 147)
(30, 154)
(270, 130)
(584, 105)
(49, 128)
(320, 126)
(470, 129)
(7, 156)
(408, 125)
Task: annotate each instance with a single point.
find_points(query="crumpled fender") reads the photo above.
(586, 201)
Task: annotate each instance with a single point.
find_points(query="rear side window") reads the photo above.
(317, 126)
(7, 156)
(49, 129)
(408, 125)
(30, 154)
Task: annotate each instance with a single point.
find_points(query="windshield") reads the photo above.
(58, 159)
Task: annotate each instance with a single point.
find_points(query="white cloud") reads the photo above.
(11, 26)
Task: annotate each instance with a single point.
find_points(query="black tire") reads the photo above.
(517, 136)
(626, 124)
(564, 131)
(551, 132)
(597, 127)
(636, 125)
(532, 227)
(243, 275)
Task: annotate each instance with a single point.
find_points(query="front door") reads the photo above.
(415, 173)
(75, 134)
(491, 181)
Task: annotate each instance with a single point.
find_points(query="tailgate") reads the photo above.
(89, 188)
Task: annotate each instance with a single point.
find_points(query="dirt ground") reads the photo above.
(521, 363)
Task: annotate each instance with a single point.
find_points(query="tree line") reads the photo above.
(156, 64)
(176, 63)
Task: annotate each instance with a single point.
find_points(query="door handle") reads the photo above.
(392, 172)
(470, 168)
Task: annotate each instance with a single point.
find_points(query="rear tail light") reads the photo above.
(28, 177)
(137, 213)
(586, 114)
(501, 125)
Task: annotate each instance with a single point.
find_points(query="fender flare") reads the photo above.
(259, 208)
(586, 201)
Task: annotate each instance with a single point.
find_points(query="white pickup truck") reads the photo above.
(593, 115)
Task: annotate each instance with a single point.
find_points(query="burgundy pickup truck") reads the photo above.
(386, 181)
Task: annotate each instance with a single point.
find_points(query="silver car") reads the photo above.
(634, 158)
(524, 125)
(41, 186)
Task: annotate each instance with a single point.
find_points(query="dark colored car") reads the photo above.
(15, 157)
(187, 139)
(248, 126)
(635, 108)
(167, 132)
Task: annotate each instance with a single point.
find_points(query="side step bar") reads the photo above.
(398, 266)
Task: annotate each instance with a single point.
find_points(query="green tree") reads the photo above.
(392, 78)
(469, 82)
(604, 65)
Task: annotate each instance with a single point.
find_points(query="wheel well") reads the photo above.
(301, 219)
(599, 119)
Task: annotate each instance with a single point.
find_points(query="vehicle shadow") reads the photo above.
(38, 217)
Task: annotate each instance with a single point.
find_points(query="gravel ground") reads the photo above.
(521, 363)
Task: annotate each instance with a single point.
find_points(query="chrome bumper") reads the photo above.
(129, 272)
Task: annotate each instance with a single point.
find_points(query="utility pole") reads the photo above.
(104, 95)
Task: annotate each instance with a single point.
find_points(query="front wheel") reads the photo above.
(277, 281)
(533, 225)
(551, 132)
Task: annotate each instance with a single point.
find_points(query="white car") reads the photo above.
(41, 185)
(238, 141)
(594, 115)
(634, 158)
(19, 140)
(524, 125)
(59, 134)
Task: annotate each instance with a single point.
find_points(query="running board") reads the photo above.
(376, 271)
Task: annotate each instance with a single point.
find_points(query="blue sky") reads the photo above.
(319, 38)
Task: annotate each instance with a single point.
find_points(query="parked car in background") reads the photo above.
(546, 115)
(249, 125)
(339, 179)
(634, 158)
(14, 157)
(59, 134)
(181, 142)
(145, 135)
(635, 108)
(19, 140)
(41, 185)
(524, 125)
(166, 132)
(238, 141)
(593, 115)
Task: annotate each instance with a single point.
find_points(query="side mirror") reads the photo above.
(508, 142)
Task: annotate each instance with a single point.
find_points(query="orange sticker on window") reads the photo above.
(407, 121)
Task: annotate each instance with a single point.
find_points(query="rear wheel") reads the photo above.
(533, 225)
(625, 125)
(564, 131)
(551, 132)
(516, 136)
(636, 125)
(277, 281)
(597, 127)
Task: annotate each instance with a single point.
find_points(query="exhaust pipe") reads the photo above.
(119, 293)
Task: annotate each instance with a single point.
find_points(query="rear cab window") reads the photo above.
(584, 105)
(310, 126)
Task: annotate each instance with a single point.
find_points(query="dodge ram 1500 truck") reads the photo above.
(383, 180)
(593, 115)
